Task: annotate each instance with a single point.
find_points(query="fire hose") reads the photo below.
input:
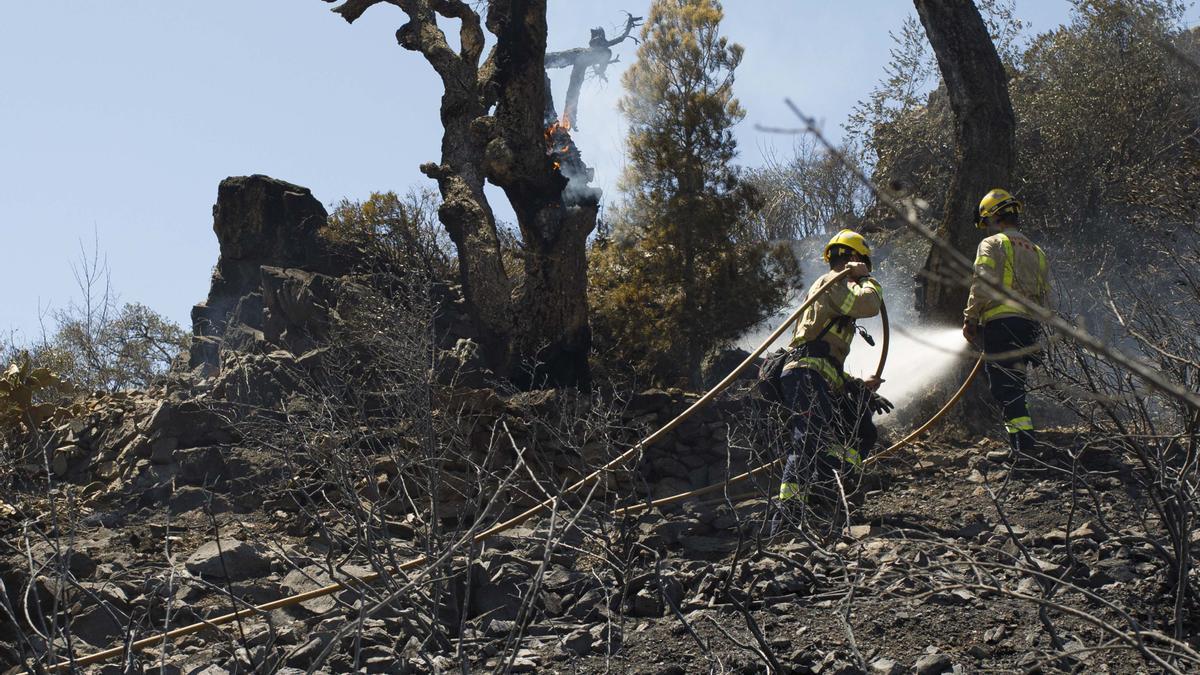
(685, 496)
(161, 638)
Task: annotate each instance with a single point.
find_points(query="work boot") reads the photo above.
(786, 514)
(1023, 442)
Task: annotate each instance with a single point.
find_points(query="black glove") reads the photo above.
(880, 405)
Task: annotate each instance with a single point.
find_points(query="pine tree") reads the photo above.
(684, 274)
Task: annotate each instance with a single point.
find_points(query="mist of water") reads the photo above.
(918, 357)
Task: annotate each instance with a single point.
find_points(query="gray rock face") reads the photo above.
(231, 560)
(259, 221)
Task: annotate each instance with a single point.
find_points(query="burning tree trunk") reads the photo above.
(533, 328)
(984, 132)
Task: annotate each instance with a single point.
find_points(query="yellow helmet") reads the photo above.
(994, 203)
(850, 239)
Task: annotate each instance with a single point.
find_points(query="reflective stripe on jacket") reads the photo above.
(1009, 259)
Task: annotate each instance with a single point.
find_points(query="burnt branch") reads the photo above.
(350, 10)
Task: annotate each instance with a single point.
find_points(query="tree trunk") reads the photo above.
(985, 150)
(533, 329)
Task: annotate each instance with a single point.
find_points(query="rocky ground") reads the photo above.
(932, 576)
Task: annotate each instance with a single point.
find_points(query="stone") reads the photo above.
(258, 221)
(1088, 531)
(607, 637)
(522, 664)
(314, 577)
(885, 666)
(499, 586)
(259, 380)
(303, 656)
(933, 664)
(860, 531)
(589, 607)
(201, 466)
(191, 498)
(98, 626)
(230, 559)
(578, 642)
(1116, 569)
(645, 603)
(707, 545)
(211, 669)
(462, 366)
(720, 363)
(162, 450)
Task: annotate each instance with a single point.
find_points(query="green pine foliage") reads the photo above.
(684, 272)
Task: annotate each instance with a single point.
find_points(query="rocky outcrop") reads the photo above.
(270, 243)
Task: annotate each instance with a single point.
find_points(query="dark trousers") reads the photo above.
(830, 430)
(1010, 345)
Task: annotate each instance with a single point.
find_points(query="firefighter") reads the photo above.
(1009, 335)
(831, 425)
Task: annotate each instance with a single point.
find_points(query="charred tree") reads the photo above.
(533, 328)
(597, 56)
(984, 133)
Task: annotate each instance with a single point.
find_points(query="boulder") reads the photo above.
(259, 221)
(98, 626)
(720, 363)
(933, 664)
(298, 307)
(230, 559)
(257, 380)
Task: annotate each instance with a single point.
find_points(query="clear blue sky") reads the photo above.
(121, 117)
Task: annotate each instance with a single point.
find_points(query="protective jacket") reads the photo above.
(827, 327)
(1011, 260)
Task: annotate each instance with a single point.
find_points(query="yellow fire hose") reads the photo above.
(932, 420)
(160, 638)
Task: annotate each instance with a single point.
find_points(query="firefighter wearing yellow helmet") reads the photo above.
(831, 428)
(1008, 334)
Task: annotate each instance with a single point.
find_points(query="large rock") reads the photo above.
(231, 559)
(297, 307)
(98, 626)
(257, 380)
(259, 221)
(720, 363)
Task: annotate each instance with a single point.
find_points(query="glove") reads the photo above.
(970, 331)
(880, 405)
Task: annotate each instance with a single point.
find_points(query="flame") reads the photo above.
(558, 132)
(556, 126)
